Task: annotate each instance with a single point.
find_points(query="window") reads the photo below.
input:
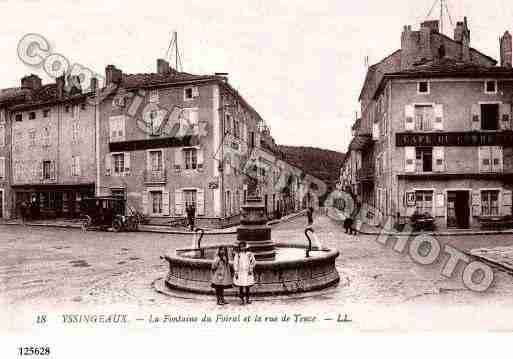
(117, 128)
(490, 203)
(156, 202)
(424, 156)
(491, 159)
(46, 137)
(154, 96)
(190, 196)
(236, 128)
(424, 117)
(228, 203)
(83, 106)
(18, 117)
(188, 93)
(424, 202)
(118, 192)
(228, 124)
(490, 116)
(252, 139)
(75, 111)
(66, 108)
(2, 169)
(75, 131)
(46, 113)
(32, 137)
(191, 158)
(47, 170)
(156, 161)
(155, 122)
(32, 115)
(491, 87)
(423, 87)
(119, 162)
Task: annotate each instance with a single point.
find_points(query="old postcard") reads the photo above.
(172, 168)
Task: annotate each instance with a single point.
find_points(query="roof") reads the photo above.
(448, 67)
(156, 79)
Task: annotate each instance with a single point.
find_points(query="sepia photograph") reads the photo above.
(174, 167)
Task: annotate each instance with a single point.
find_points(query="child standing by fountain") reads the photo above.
(244, 264)
(221, 274)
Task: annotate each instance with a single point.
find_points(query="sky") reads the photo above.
(300, 64)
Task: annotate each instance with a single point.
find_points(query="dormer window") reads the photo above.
(66, 108)
(32, 115)
(491, 87)
(46, 113)
(423, 87)
(188, 93)
(18, 117)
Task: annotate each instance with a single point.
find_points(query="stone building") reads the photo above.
(170, 139)
(49, 147)
(436, 131)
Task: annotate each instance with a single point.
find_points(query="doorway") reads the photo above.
(458, 209)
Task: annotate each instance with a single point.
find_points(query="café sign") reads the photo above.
(416, 139)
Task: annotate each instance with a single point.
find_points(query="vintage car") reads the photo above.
(107, 212)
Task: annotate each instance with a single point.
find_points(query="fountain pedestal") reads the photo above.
(254, 231)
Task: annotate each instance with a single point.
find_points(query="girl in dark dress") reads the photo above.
(221, 274)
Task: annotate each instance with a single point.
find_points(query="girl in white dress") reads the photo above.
(244, 265)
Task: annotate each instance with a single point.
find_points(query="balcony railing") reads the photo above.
(155, 176)
(365, 173)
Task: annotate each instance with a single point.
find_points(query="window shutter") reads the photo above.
(2, 135)
(409, 114)
(476, 117)
(113, 131)
(199, 153)
(179, 210)
(77, 159)
(145, 199)
(195, 91)
(505, 121)
(497, 161)
(52, 169)
(484, 159)
(2, 168)
(200, 202)
(194, 116)
(165, 203)
(440, 205)
(41, 170)
(178, 159)
(108, 164)
(439, 117)
(438, 159)
(127, 163)
(148, 162)
(506, 202)
(375, 131)
(409, 159)
(476, 203)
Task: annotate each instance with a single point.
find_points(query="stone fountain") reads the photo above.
(281, 268)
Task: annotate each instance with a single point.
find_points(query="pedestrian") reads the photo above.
(23, 211)
(244, 265)
(191, 213)
(221, 274)
(309, 214)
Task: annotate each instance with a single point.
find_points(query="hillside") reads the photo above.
(323, 164)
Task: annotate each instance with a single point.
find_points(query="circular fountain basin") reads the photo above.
(290, 272)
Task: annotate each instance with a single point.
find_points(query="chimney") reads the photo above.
(432, 25)
(60, 86)
(163, 66)
(458, 32)
(506, 50)
(74, 85)
(113, 75)
(31, 81)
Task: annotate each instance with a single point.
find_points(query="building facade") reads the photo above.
(436, 123)
(169, 140)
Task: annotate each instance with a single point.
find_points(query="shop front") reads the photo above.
(50, 201)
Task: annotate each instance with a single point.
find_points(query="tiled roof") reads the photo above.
(448, 66)
(13, 94)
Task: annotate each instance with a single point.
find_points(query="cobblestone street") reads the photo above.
(45, 269)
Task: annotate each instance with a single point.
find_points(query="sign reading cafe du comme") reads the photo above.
(502, 138)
